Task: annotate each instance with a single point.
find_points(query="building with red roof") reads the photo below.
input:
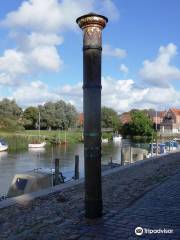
(171, 121)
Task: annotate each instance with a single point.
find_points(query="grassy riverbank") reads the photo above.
(69, 136)
(18, 141)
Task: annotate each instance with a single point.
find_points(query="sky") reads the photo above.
(41, 52)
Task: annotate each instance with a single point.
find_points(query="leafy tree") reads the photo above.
(58, 115)
(140, 125)
(9, 108)
(110, 119)
(30, 117)
(10, 115)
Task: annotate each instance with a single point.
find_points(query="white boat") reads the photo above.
(117, 138)
(37, 144)
(3, 146)
(153, 149)
(104, 140)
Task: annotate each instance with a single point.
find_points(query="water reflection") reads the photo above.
(12, 163)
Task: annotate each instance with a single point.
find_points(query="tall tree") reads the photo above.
(140, 125)
(110, 119)
(9, 108)
(31, 117)
(10, 115)
(58, 115)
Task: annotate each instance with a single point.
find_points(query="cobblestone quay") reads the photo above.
(145, 194)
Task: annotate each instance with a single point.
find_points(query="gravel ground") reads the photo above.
(52, 216)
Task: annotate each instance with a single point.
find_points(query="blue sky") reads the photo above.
(41, 52)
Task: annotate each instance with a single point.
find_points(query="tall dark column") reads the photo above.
(92, 25)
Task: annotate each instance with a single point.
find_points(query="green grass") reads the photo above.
(15, 142)
(18, 141)
(70, 136)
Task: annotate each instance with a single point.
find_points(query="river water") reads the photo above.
(12, 163)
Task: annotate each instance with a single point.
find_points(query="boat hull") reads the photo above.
(37, 145)
(3, 148)
(104, 140)
(117, 139)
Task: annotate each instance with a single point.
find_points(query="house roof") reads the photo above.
(125, 117)
(175, 111)
(153, 113)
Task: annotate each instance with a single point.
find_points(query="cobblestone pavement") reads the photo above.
(158, 209)
(145, 195)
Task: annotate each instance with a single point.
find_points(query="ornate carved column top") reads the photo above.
(92, 19)
(92, 25)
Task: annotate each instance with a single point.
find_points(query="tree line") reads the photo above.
(53, 115)
(62, 115)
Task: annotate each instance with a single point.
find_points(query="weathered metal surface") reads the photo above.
(92, 25)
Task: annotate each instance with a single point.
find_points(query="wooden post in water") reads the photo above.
(111, 162)
(151, 149)
(76, 169)
(130, 150)
(122, 157)
(92, 25)
(56, 179)
(156, 146)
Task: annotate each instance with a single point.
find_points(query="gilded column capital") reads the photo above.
(92, 25)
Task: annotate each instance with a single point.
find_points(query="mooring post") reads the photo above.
(92, 25)
(130, 153)
(76, 169)
(56, 179)
(156, 146)
(111, 162)
(122, 156)
(151, 149)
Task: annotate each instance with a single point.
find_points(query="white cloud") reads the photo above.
(45, 16)
(123, 68)
(116, 52)
(160, 72)
(45, 58)
(32, 57)
(122, 95)
(72, 94)
(36, 27)
(34, 93)
(54, 16)
(12, 67)
(31, 40)
(108, 8)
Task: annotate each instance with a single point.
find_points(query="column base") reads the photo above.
(93, 209)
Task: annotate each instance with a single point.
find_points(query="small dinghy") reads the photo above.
(37, 145)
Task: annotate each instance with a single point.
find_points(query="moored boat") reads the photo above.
(117, 138)
(37, 145)
(157, 149)
(172, 145)
(3, 146)
(104, 140)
